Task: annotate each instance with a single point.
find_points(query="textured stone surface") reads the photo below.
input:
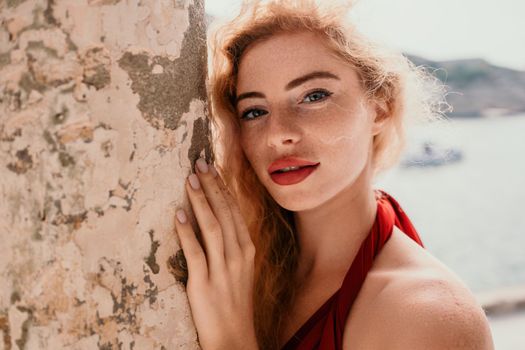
(93, 162)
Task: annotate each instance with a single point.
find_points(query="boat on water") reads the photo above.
(432, 155)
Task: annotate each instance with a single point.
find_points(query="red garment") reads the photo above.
(324, 329)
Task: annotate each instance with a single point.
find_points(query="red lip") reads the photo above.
(293, 176)
(288, 162)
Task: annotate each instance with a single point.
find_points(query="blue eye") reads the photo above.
(316, 95)
(254, 111)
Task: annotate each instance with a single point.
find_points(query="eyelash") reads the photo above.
(325, 92)
(245, 113)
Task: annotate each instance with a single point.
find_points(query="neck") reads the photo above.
(330, 235)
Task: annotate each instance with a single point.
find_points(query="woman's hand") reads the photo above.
(220, 276)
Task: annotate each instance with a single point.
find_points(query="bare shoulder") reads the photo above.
(416, 302)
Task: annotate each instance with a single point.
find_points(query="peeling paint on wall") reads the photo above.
(162, 102)
(103, 114)
(23, 162)
(151, 260)
(200, 140)
(97, 64)
(6, 332)
(14, 3)
(178, 267)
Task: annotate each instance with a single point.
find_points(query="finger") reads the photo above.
(243, 235)
(195, 257)
(211, 230)
(220, 208)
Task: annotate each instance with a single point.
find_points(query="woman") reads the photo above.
(298, 250)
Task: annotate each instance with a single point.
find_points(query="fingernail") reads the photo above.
(213, 170)
(194, 181)
(181, 216)
(201, 164)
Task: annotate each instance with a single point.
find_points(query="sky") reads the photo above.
(436, 29)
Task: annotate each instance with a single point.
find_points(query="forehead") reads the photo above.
(284, 57)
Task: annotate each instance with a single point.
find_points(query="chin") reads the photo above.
(294, 198)
(295, 205)
(298, 197)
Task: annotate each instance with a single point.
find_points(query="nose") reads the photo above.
(282, 129)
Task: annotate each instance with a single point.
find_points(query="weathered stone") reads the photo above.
(94, 136)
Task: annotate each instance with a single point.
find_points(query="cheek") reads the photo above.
(345, 147)
(249, 147)
(343, 128)
(245, 145)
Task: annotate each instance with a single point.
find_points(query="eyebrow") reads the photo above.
(314, 75)
(292, 84)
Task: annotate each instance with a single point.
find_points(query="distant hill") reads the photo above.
(478, 88)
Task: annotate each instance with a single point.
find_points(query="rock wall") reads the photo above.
(102, 114)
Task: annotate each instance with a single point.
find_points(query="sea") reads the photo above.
(470, 213)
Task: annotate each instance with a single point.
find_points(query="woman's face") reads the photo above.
(296, 98)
